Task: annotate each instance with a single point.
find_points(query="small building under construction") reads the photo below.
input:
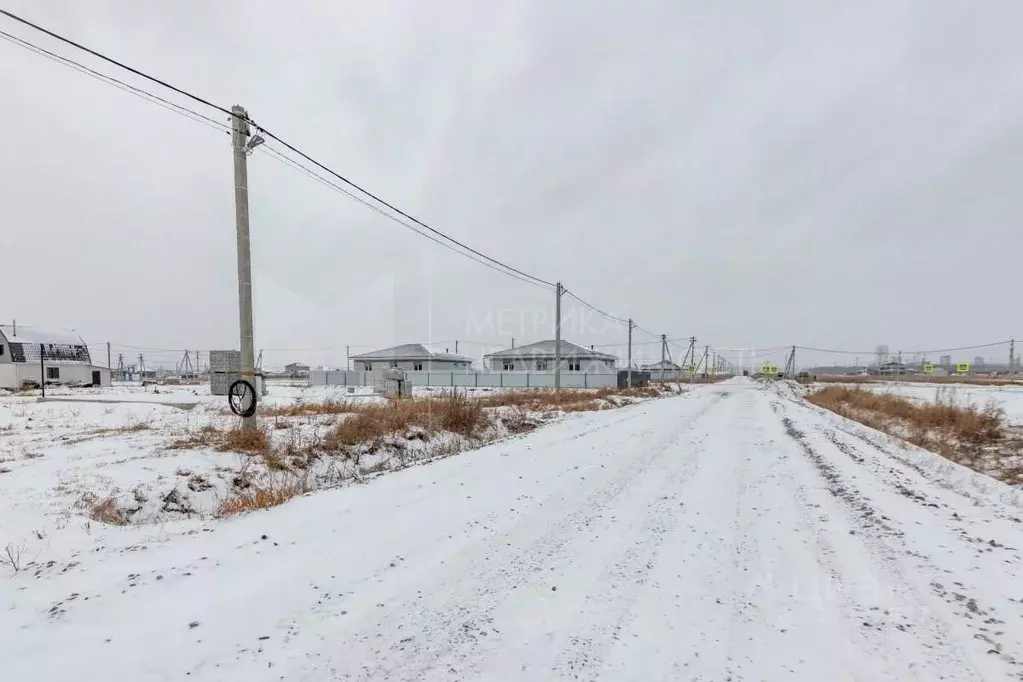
(30, 357)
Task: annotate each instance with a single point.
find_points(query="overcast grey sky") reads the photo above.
(754, 173)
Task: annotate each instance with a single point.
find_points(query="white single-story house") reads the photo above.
(412, 357)
(26, 354)
(666, 365)
(539, 357)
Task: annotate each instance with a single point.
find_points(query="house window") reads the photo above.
(53, 372)
(509, 366)
(541, 365)
(369, 366)
(418, 367)
(1, 349)
(573, 365)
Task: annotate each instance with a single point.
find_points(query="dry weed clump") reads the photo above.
(305, 409)
(105, 509)
(962, 433)
(238, 439)
(457, 414)
(275, 491)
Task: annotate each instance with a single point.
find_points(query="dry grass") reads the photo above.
(254, 441)
(568, 400)
(962, 433)
(105, 509)
(304, 409)
(458, 414)
(920, 379)
(276, 491)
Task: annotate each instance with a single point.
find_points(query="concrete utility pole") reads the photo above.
(557, 336)
(456, 346)
(109, 367)
(706, 359)
(692, 358)
(239, 143)
(898, 367)
(664, 347)
(42, 368)
(630, 354)
(1012, 356)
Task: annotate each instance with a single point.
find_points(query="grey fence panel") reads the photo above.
(541, 380)
(573, 380)
(490, 380)
(513, 380)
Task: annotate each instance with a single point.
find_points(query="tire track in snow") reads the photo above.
(448, 628)
(912, 588)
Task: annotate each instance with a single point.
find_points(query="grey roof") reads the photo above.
(545, 349)
(410, 351)
(668, 365)
(31, 335)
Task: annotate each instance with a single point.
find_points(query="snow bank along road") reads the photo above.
(732, 533)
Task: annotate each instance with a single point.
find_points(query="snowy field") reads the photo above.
(1009, 398)
(734, 532)
(137, 457)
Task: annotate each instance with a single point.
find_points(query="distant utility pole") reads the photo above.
(42, 368)
(706, 359)
(790, 364)
(348, 358)
(629, 370)
(557, 336)
(691, 354)
(898, 367)
(108, 357)
(1012, 356)
(664, 348)
(456, 346)
(241, 146)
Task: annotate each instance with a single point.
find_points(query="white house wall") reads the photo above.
(69, 373)
(529, 365)
(409, 365)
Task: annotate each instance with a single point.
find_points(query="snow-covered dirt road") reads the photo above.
(732, 533)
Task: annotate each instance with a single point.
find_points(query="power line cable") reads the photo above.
(904, 352)
(273, 136)
(500, 266)
(594, 308)
(278, 156)
(110, 80)
(952, 350)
